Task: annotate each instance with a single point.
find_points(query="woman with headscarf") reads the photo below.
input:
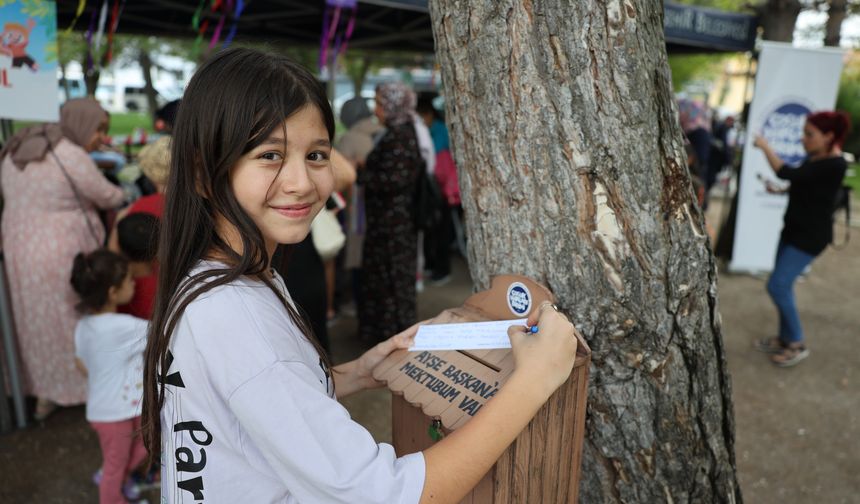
(355, 144)
(390, 244)
(51, 192)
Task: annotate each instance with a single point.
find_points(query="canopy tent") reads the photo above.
(402, 25)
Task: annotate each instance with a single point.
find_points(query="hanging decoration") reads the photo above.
(198, 26)
(240, 6)
(219, 5)
(97, 45)
(116, 11)
(96, 31)
(82, 4)
(89, 38)
(338, 24)
(223, 9)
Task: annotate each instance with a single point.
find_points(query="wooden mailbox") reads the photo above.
(449, 387)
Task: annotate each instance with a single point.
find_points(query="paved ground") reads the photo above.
(798, 430)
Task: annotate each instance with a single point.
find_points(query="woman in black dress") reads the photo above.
(390, 244)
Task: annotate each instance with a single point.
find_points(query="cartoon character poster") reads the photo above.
(29, 89)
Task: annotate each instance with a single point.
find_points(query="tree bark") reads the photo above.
(572, 170)
(778, 18)
(836, 14)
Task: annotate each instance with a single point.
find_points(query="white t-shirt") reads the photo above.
(249, 416)
(111, 347)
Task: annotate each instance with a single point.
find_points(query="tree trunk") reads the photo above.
(145, 62)
(778, 18)
(65, 81)
(91, 80)
(836, 14)
(359, 73)
(572, 171)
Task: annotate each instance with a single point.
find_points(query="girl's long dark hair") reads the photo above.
(232, 104)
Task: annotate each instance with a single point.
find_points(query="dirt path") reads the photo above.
(798, 429)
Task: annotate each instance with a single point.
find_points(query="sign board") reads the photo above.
(29, 89)
(790, 83)
(712, 29)
(450, 387)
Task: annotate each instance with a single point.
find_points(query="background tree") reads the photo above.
(779, 17)
(357, 66)
(572, 172)
(70, 47)
(836, 13)
(849, 101)
(145, 51)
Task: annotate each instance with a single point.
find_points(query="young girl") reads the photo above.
(109, 348)
(239, 401)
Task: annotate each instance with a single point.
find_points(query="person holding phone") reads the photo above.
(808, 223)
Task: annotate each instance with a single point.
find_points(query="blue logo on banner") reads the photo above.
(783, 130)
(519, 298)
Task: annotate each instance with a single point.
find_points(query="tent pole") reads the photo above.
(9, 349)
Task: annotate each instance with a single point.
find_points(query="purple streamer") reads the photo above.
(349, 27)
(331, 33)
(217, 35)
(336, 47)
(89, 37)
(351, 24)
(240, 6)
(333, 29)
(334, 23)
(323, 40)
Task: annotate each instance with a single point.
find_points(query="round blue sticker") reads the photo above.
(519, 299)
(783, 130)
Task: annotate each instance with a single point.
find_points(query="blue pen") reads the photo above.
(533, 329)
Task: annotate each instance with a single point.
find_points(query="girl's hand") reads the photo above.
(544, 358)
(760, 142)
(370, 359)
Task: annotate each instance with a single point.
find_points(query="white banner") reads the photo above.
(790, 83)
(29, 89)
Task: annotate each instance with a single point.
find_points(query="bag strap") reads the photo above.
(77, 197)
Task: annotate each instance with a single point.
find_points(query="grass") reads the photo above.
(120, 124)
(124, 124)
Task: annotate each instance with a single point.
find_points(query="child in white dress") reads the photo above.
(109, 349)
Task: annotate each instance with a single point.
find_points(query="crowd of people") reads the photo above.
(194, 306)
(80, 243)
